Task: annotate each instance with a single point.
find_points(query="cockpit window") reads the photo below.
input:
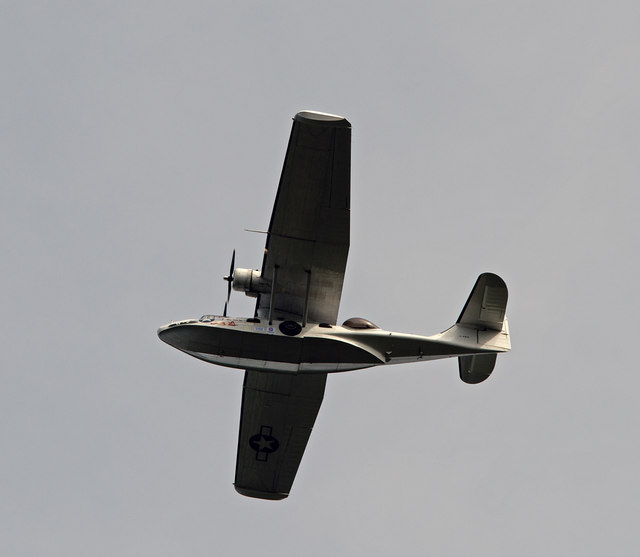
(359, 323)
(208, 318)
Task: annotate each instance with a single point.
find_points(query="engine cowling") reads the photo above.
(250, 282)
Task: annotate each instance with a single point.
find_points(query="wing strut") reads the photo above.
(273, 290)
(306, 298)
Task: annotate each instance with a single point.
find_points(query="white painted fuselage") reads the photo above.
(255, 344)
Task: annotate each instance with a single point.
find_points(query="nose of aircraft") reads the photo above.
(183, 335)
(171, 335)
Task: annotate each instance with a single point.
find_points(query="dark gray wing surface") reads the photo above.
(278, 413)
(308, 239)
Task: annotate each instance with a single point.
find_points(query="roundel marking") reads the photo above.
(290, 328)
(264, 443)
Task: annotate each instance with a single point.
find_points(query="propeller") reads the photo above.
(229, 279)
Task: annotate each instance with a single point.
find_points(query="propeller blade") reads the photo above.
(233, 264)
(229, 279)
(228, 293)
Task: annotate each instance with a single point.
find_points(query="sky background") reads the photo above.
(139, 139)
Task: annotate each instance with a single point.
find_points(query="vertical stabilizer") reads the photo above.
(487, 304)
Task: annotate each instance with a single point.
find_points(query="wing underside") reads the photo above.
(304, 262)
(278, 413)
(308, 236)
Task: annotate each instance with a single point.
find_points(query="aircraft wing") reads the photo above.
(308, 237)
(278, 412)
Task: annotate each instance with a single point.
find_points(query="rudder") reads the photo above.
(487, 304)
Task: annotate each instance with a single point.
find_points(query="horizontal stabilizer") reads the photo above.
(477, 368)
(487, 304)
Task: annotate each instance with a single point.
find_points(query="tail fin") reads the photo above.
(487, 304)
(485, 311)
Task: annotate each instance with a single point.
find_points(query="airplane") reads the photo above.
(293, 341)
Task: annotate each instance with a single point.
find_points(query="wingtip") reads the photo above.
(256, 494)
(322, 119)
(493, 280)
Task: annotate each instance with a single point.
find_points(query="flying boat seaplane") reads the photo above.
(293, 340)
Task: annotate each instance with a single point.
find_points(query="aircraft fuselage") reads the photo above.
(247, 343)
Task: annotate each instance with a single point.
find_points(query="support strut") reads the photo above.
(273, 291)
(306, 298)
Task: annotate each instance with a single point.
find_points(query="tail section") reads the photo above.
(485, 314)
(475, 369)
(487, 304)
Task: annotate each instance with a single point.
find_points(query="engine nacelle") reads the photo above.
(250, 282)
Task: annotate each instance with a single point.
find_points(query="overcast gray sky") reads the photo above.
(139, 139)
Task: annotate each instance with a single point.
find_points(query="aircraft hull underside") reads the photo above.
(313, 351)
